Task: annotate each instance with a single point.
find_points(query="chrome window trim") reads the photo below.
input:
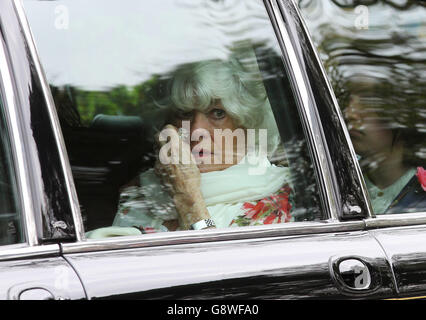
(18, 152)
(253, 233)
(339, 113)
(212, 235)
(22, 251)
(309, 117)
(57, 132)
(396, 220)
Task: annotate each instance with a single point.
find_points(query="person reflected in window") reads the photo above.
(216, 180)
(385, 146)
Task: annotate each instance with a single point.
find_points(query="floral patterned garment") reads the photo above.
(421, 176)
(273, 209)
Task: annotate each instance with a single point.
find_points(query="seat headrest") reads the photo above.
(117, 123)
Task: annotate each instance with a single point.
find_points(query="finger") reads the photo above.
(167, 131)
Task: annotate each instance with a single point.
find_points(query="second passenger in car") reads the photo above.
(393, 174)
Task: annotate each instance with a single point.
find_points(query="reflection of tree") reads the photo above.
(78, 107)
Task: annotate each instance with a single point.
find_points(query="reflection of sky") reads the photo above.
(111, 42)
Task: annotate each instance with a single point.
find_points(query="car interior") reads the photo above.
(107, 153)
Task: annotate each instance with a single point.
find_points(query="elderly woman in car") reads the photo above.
(213, 169)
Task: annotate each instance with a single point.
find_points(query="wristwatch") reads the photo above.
(203, 224)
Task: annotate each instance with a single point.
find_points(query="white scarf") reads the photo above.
(225, 192)
(237, 184)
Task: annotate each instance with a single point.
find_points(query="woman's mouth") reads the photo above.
(200, 154)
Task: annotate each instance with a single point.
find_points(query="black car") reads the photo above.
(85, 87)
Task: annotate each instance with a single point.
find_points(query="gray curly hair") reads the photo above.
(237, 83)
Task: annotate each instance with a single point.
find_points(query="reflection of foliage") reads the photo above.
(77, 106)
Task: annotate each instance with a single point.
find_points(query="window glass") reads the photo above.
(11, 231)
(375, 55)
(176, 115)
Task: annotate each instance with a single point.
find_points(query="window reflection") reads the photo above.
(124, 72)
(379, 75)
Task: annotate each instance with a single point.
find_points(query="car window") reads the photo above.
(176, 115)
(11, 223)
(375, 57)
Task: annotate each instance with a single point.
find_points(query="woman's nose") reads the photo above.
(351, 113)
(200, 123)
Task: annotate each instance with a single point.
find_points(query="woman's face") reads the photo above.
(369, 134)
(214, 143)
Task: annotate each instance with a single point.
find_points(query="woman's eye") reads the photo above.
(218, 113)
(185, 115)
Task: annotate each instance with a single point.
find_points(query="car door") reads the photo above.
(404, 247)
(210, 267)
(350, 48)
(30, 269)
(324, 252)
